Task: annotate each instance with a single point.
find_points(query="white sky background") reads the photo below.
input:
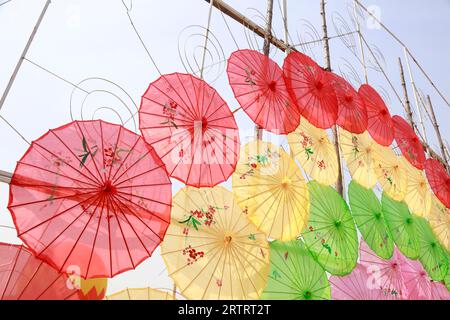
(79, 39)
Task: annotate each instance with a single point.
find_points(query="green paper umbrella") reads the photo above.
(447, 280)
(401, 224)
(432, 256)
(294, 274)
(366, 211)
(331, 233)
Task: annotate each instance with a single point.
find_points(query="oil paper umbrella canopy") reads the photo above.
(420, 286)
(379, 121)
(439, 180)
(432, 256)
(352, 112)
(24, 277)
(358, 285)
(366, 210)
(418, 194)
(259, 87)
(93, 196)
(312, 90)
(439, 219)
(331, 235)
(140, 294)
(387, 275)
(191, 128)
(211, 250)
(359, 154)
(391, 172)
(270, 187)
(401, 225)
(316, 154)
(294, 274)
(408, 142)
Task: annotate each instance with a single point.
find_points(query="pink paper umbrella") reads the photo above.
(419, 284)
(259, 87)
(93, 195)
(358, 285)
(388, 274)
(24, 277)
(191, 128)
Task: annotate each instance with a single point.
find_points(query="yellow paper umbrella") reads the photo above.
(211, 250)
(140, 294)
(439, 219)
(358, 152)
(270, 187)
(418, 193)
(316, 154)
(390, 172)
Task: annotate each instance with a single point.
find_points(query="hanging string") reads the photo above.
(15, 129)
(128, 10)
(206, 38)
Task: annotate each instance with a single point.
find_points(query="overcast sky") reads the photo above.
(82, 39)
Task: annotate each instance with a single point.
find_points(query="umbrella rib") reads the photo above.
(136, 176)
(12, 270)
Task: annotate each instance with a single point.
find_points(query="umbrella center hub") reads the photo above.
(272, 86)
(378, 215)
(348, 98)
(307, 295)
(286, 183)
(415, 139)
(337, 223)
(108, 188)
(394, 265)
(227, 240)
(409, 221)
(383, 112)
(204, 123)
(319, 85)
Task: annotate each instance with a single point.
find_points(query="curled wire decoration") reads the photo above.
(191, 45)
(308, 39)
(344, 31)
(372, 64)
(349, 73)
(385, 95)
(254, 41)
(103, 99)
(128, 4)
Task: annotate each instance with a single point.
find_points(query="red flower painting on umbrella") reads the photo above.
(191, 128)
(311, 89)
(260, 89)
(93, 195)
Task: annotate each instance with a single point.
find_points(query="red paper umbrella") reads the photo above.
(23, 277)
(92, 196)
(439, 180)
(408, 142)
(352, 112)
(191, 128)
(259, 87)
(312, 90)
(380, 125)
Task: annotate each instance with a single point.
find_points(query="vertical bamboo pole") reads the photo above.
(361, 47)
(266, 49)
(407, 104)
(438, 132)
(339, 184)
(23, 55)
(416, 98)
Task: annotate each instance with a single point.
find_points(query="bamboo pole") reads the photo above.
(407, 104)
(5, 176)
(23, 55)
(326, 46)
(361, 47)
(438, 132)
(266, 50)
(416, 98)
